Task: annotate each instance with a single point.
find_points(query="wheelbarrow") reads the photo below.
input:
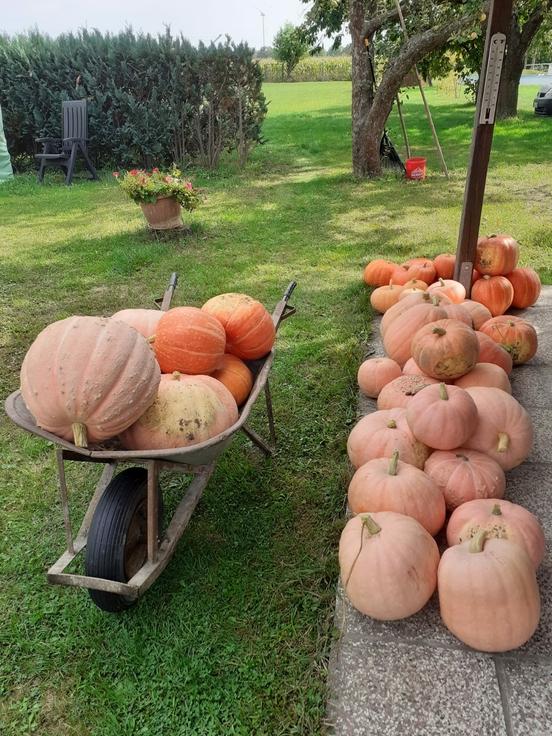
(124, 548)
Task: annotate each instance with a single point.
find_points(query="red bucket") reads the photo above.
(415, 168)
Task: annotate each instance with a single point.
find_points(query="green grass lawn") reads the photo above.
(233, 639)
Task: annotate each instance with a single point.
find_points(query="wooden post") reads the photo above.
(500, 14)
(403, 126)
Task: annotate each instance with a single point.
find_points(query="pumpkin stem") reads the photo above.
(443, 392)
(370, 525)
(372, 528)
(151, 339)
(439, 331)
(464, 457)
(441, 281)
(496, 510)
(478, 541)
(176, 375)
(503, 442)
(435, 300)
(79, 434)
(393, 462)
(392, 424)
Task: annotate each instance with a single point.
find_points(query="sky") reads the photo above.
(198, 20)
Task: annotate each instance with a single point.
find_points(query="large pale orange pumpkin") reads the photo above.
(398, 335)
(384, 297)
(86, 378)
(378, 272)
(388, 564)
(503, 520)
(486, 374)
(416, 284)
(249, 327)
(496, 255)
(408, 291)
(515, 334)
(445, 349)
(236, 376)
(457, 311)
(504, 429)
(410, 300)
(495, 292)
(442, 417)
(381, 433)
(190, 341)
(488, 594)
(479, 312)
(527, 287)
(188, 410)
(449, 288)
(463, 475)
(400, 392)
(411, 368)
(375, 373)
(492, 352)
(143, 320)
(444, 265)
(388, 484)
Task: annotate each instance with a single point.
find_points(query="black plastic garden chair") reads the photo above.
(63, 152)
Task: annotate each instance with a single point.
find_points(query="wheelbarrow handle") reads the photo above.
(165, 301)
(289, 291)
(284, 310)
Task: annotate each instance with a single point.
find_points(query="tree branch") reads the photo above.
(374, 23)
(532, 25)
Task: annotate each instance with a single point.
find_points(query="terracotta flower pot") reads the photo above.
(164, 214)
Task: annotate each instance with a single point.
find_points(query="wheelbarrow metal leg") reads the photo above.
(64, 500)
(258, 440)
(270, 413)
(153, 511)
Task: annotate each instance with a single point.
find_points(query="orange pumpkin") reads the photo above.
(450, 288)
(400, 391)
(143, 320)
(386, 484)
(478, 312)
(492, 352)
(496, 255)
(417, 284)
(388, 564)
(442, 417)
(527, 287)
(400, 275)
(504, 428)
(486, 374)
(381, 433)
(384, 297)
(397, 337)
(495, 292)
(188, 410)
(375, 373)
(86, 378)
(463, 474)
(503, 520)
(407, 291)
(445, 349)
(411, 368)
(236, 376)
(378, 272)
(424, 271)
(190, 341)
(444, 265)
(488, 594)
(516, 335)
(249, 327)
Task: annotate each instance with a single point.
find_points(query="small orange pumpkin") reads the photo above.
(378, 272)
(400, 391)
(236, 376)
(515, 334)
(491, 352)
(444, 265)
(424, 271)
(485, 374)
(400, 275)
(445, 349)
(495, 292)
(375, 373)
(384, 297)
(249, 328)
(417, 284)
(496, 255)
(527, 287)
(190, 341)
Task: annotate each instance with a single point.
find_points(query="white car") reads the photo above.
(543, 101)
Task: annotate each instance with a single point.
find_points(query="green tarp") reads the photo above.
(5, 163)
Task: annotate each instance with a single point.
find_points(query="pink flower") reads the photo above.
(116, 174)
(167, 179)
(188, 186)
(133, 172)
(155, 170)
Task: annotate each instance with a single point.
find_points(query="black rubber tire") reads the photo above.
(110, 552)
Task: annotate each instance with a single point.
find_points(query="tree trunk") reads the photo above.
(362, 96)
(506, 105)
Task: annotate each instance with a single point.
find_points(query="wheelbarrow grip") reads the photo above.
(289, 291)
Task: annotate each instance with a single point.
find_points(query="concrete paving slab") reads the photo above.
(529, 697)
(530, 485)
(540, 644)
(401, 690)
(542, 425)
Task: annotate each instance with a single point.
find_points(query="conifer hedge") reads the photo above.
(151, 100)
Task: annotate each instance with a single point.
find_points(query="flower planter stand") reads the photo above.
(165, 214)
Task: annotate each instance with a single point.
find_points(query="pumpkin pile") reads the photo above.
(152, 379)
(445, 431)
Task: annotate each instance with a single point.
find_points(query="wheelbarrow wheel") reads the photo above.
(117, 540)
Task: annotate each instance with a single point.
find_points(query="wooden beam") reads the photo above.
(498, 26)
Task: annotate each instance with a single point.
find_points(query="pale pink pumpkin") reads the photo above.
(463, 475)
(388, 564)
(488, 594)
(410, 300)
(500, 519)
(386, 484)
(398, 335)
(445, 348)
(381, 433)
(411, 368)
(457, 311)
(516, 335)
(442, 417)
(492, 352)
(450, 288)
(384, 297)
(400, 391)
(375, 373)
(485, 374)
(504, 429)
(143, 320)
(479, 312)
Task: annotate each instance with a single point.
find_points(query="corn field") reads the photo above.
(310, 69)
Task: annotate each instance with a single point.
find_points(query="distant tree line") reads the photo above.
(151, 100)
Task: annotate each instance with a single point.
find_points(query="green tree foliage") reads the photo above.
(151, 100)
(289, 47)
